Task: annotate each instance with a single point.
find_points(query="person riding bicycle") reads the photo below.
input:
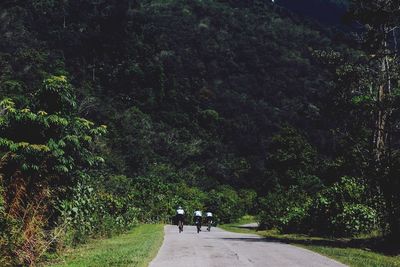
(209, 219)
(197, 219)
(180, 215)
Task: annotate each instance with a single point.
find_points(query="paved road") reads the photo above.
(249, 225)
(220, 248)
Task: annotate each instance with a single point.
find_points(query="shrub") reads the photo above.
(22, 219)
(224, 201)
(5, 250)
(286, 211)
(342, 210)
(247, 200)
(356, 219)
(153, 197)
(79, 212)
(159, 192)
(190, 198)
(43, 146)
(103, 211)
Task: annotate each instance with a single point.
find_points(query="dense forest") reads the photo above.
(113, 113)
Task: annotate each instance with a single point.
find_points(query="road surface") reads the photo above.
(249, 226)
(220, 248)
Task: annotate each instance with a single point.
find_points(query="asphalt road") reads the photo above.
(221, 248)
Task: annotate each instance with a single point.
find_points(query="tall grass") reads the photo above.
(135, 248)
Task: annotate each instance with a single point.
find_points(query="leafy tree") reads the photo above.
(292, 161)
(375, 93)
(197, 110)
(224, 202)
(342, 209)
(42, 152)
(285, 210)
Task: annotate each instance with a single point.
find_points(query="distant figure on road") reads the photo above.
(197, 219)
(180, 215)
(209, 218)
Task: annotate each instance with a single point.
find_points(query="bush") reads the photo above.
(247, 200)
(22, 220)
(341, 210)
(43, 145)
(286, 211)
(190, 198)
(103, 211)
(153, 197)
(159, 192)
(78, 213)
(5, 250)
(224, 202)
(356, 219)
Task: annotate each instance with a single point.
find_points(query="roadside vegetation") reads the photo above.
(113, 113)
(365, 251)
(134, 248)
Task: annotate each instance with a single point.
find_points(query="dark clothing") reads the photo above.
(179, 217)
(197, 219)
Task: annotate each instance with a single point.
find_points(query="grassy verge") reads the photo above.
(362, 252)
(135, 248)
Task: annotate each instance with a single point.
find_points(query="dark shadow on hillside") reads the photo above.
(378, 245)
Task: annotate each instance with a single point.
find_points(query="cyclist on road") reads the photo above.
(197, 219)
(209, 218)
(180, 215)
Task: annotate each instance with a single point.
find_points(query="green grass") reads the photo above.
(246, 219)
(356, 257)
(135, 248)
(362, 252)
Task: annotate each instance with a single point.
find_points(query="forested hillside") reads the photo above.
(329, 12)
(116, 112)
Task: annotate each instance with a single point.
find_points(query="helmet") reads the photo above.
(179, 207)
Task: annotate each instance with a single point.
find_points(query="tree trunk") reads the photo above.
(385, 169)
(380, 128)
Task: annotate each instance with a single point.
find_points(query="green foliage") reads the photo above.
(159, 193)
(225, 203)
(42, 152)
(132, 140)
(248, 200)
(373, 93)
(61, 140)
(134, 248)
(339, 210)
(56, 95)
(342, 210)
(196, 111)
(201, 95)
(287, 211)
(357, 219)
(78, 213)
(190, 198)
(293, 161)
(96, 208)
(208, 118)
(5, 235)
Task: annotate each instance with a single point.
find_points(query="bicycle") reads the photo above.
(180, 226)
(179, 219)
(209, 226)
(198, 225)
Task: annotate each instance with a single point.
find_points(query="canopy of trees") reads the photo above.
(116, 112)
